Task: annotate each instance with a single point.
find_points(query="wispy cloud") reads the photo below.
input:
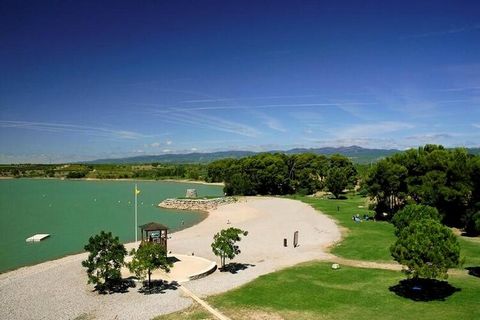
(252, 98)
(444, 32)
(459, 89)
(64, 127)
(201, 120)
(273, 123)
(476, 125)
(261, 106)
(373, 129)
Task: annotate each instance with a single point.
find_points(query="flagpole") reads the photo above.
(136, 221)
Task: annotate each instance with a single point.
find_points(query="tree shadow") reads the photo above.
(474, 271)
(234, 267)
(116, 286)
(424, 289)
(173, 259)
(158, 286)
(340, 197)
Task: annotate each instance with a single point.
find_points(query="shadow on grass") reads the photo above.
(116, 286)
(158, 287)
(424, 289)
(235, 267)
(474, 271)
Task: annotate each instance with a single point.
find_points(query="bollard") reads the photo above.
(285, 242)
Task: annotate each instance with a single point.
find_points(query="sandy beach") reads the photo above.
(58, 290)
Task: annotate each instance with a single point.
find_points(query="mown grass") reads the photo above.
(315, 291)
(470, 251)
(371, 240)
(367, 240)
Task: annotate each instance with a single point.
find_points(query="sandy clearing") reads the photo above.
(57, 289)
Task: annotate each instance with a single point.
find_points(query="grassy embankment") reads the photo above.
(314, 291)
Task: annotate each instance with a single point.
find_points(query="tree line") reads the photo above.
(446, 179)
(280, 174)
(154, 171)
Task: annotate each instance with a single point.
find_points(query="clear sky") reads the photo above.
(81, 80)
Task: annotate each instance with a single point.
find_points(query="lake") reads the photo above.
(72, 211)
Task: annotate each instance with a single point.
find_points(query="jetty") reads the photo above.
(37, 237)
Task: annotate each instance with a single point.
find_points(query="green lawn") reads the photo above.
(371, 240)
(315, 291)
(470, 251)
(367, 240)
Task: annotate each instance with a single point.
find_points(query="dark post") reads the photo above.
(285, 242)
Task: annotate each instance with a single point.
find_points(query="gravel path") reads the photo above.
(58, 290)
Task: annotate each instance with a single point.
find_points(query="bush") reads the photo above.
(427, 248)
(472, 226)
(412, 213)
(106, 256)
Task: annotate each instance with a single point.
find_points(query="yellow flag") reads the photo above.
(137, 191)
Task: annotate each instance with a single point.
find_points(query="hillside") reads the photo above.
(356, 153)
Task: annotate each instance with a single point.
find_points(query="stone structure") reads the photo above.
(191, 193)
(195, 204)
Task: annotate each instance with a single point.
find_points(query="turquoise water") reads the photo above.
(72, 211)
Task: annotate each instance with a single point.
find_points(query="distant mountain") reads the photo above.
(196, 157)
(356, 153)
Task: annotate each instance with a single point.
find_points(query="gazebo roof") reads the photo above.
(153, 226)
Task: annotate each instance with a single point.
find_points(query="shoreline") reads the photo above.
(62, 283)
(202, 213)
(220, 184)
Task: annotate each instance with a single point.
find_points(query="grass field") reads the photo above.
(367, 240)
(314, 291)
(370, 240)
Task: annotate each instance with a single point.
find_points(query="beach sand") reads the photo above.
(58, 290)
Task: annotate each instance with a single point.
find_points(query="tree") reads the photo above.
(427, 248)
(223, 245)
(149, 256)
(336, 181)
(411, 213)
(472, 224)
(104, 260)
(386, 184)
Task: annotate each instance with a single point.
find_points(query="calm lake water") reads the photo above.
(72, 211)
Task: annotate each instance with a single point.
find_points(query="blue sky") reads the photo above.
(81, 80)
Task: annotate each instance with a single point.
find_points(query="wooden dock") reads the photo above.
(38, 237)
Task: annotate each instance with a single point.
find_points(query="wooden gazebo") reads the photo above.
(155, 232)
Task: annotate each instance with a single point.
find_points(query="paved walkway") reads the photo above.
(204, 304)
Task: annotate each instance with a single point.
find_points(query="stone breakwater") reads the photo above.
(195, 204)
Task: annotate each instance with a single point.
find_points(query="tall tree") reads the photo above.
(427, 248)
(412, 213)
(387, 185)
(106, 256)
(336, 181)
(149, 257)
(224, 243)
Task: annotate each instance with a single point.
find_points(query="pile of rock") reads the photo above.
(195, 204)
